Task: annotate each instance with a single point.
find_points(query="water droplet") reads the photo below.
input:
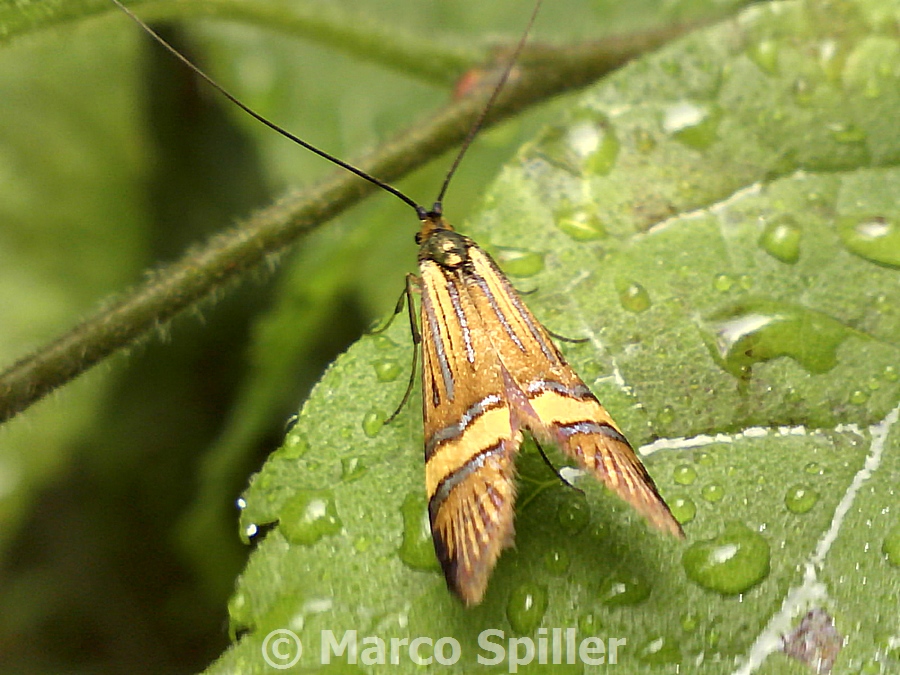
(695, 126)
(633, 296)
(729, 564)
(601, 144)
(814, 469)
(372, 423)
(705, 459)
(891, 374)
(383, 343)
(803, 92)
(800, 499)
(745, 281)
(858, 397)
(309, 516)
(761, 330)
(580, 224)
(622, 589)
(765, 55)
(871, 65)
(387, 370)
(518, 262)
(847, 133)
(660, 651)
(312, 466)
(831, 59)
(362, 544)
(891, 546)
(525, 607)
(248, 532)
(666, 415)
(240, 613)
(713, 493)
(589, 624)
(556, 561)
(873, 384)
(690, 621)
(723, 283)
(417, 548)
(781, 240)
(352, 469)
(684, 474)
(294, 447)
(586, 145)
(683, 509)
(573, 514)
(290, 423)
(873, 238)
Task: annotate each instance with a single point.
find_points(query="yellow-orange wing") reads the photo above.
(489, 370)
(551, 401)
(470, 442)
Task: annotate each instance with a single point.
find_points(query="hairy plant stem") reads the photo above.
(211, 269)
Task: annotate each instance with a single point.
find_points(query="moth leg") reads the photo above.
(563, 338)
(553, 468)
(397, 309)
(411, 281)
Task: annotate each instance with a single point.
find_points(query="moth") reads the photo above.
(490, 372)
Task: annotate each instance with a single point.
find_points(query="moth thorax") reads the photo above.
(445, 247)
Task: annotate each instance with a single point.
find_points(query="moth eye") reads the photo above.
(418, 237)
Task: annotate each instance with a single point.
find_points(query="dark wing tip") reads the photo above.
(471, 526)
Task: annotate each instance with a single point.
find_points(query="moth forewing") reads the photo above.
(470, 440)
(490, 371)
(559, 406)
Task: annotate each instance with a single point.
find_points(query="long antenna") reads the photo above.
(420, 211)
(247, 109)
(476, 127)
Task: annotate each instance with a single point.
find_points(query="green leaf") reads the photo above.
(707, 218)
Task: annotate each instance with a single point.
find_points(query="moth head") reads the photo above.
(432, 221)
(447, 248)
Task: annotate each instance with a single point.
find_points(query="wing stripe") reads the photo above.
(485, 431)
(501, 317)
(536, 331)
(454, 431)
(590, 427)
(437, 340)
(454, 478)
(512, 300)
(578, 392)
(453, 292)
